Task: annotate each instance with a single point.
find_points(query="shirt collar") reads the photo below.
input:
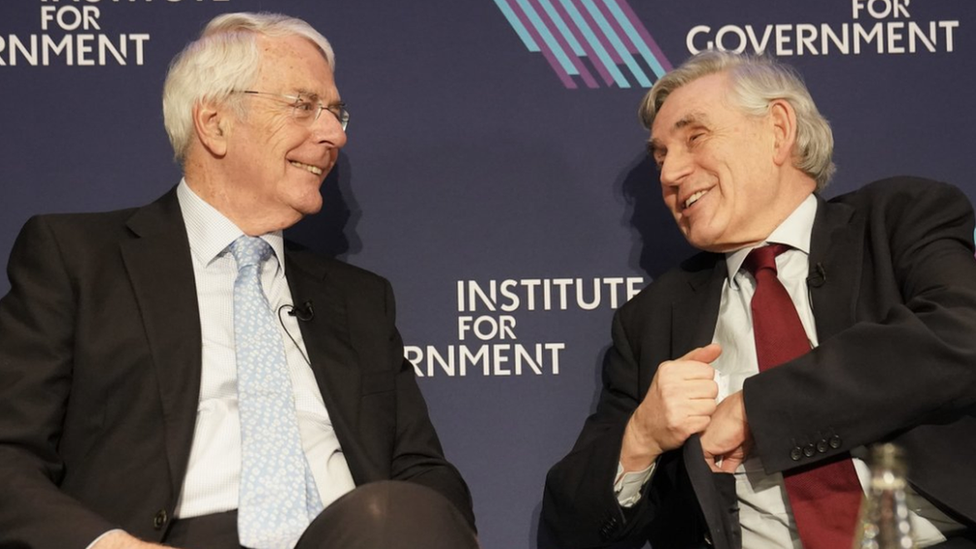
(794, 231)
(210, 232)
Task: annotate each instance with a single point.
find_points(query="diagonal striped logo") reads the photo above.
(582, 37)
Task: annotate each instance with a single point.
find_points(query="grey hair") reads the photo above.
(756, 82)
(223, 60)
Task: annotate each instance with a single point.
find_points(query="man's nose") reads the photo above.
(675, 167)
(328, 129)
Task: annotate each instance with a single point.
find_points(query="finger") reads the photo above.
(717, 443)
(702, 389)
(706, 354)
(713, 465)
(729, 464)
(688, 389)
(702, 407)
(722, 463)
(714, 462)
(681, 370)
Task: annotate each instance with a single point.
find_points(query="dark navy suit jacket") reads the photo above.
(100, 357)
(893, 291)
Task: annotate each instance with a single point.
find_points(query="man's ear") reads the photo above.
(782, 118)
(212, 124)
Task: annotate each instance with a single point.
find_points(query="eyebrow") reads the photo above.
(696, 118)
(305, 92)
(692, 119)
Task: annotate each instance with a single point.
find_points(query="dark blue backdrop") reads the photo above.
(470, 159)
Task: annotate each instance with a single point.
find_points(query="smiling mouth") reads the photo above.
(312, 169)
(694, 198)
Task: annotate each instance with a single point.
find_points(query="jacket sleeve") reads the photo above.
(36, 341)
(907, 357)
(579, 506)
(417, 453)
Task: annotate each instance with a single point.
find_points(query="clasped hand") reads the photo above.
(681, 402)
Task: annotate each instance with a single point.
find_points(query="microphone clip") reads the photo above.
(304, 313)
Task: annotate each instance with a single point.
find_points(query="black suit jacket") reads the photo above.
(893, 290)
(100, 358)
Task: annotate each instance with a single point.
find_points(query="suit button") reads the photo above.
(796, 453)
(822, 446)
(809, 450)
(835, 442)
(160, 519)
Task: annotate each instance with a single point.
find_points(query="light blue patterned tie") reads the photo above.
(278, 497)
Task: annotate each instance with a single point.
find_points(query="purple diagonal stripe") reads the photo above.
(624, 39)
(648, 39)
(554, 30)
(590, 52)
(566, 79)
(611, 51)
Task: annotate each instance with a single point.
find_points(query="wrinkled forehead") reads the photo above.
(697, 102)
(295, 65)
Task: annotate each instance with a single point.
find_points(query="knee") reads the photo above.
(388, 500)
(393, 514)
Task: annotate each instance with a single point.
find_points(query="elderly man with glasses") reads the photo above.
(178, 374)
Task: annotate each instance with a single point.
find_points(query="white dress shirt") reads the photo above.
(213, 474)
(764, 509)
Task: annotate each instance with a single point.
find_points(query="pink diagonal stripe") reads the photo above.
(614, 56)
(566, 79)
(615, 25)
(648, 39)
(551, 25)
(590, 52)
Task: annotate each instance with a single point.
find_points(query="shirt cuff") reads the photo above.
(99, 538)
(628, 486)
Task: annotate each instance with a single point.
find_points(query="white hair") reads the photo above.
(756, 83)
(223, 60)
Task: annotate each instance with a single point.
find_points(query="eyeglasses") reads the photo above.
(306, 109)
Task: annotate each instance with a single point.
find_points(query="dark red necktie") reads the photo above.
(826, 498)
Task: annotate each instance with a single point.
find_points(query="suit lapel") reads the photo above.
(332, 357)
(693, 325)
(159, 266)
(695, 314)
(836, 257)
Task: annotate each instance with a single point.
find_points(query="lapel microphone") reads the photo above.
(817, 279)
(303, 313)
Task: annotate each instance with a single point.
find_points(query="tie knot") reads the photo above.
(250, 250)
(764, 258)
